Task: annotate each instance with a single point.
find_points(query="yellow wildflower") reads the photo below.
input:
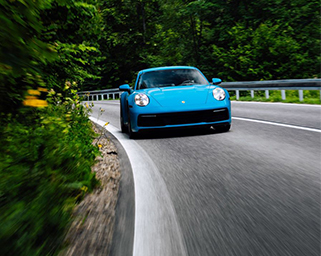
(84, 188)
(40, 89)
(99, 145)
(31, 97)
(87, 105)
(106, 124)
(33, 92)
(35, 103)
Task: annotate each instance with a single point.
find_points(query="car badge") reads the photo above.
(183, 102)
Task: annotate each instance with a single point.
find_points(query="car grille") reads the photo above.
(176, 118)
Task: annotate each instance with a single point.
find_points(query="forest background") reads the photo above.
(101, 44)
(50, 49)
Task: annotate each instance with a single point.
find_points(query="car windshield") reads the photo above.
(170, 77)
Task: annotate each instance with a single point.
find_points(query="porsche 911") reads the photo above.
(174, 97)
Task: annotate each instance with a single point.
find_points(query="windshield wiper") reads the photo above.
(164, 85)
(187, 82)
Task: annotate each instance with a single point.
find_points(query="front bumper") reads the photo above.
(149, 118)
(183, 118)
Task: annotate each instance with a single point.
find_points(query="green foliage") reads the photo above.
(74, 64)
(102, 44)
(234, 40)
(75, 29)
(46, 137)
(256, 55)
(45, 166)
(22, 52)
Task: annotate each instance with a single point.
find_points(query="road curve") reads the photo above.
(252, 191)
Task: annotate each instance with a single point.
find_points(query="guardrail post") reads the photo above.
(113, 96)
(301, 95)
(252, 94)
(267, 95)
(283, 94)
(237, 94)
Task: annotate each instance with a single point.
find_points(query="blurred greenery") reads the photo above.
(49, 49)
(234, 40)
(47, 153)
(45, 168)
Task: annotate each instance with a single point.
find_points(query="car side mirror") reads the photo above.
(216, 81)
(125, 88)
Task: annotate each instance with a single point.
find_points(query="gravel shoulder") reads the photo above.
(91, 232)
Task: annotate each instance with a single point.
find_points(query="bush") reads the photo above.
(46, 137)
(45, 168)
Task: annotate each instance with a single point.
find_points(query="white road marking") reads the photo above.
(277, 124)
(276, 103)
(157, 231)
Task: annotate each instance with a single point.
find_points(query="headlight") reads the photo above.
(219, 94)
(141, 99)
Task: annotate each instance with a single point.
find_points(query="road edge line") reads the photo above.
(277, 124)
(157, 231)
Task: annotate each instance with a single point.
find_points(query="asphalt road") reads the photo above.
(252, 191)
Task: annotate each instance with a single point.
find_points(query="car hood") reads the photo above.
(178, 95)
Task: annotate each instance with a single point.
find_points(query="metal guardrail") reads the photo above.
(101, 94)
(281, 85)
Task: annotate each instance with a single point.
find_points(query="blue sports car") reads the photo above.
(168, 97)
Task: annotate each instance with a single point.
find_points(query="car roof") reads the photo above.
(166, 68)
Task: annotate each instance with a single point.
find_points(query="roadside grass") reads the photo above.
(292, 96)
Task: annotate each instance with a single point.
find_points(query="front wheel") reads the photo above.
(131, 133)
(122, 125)
(222, 128)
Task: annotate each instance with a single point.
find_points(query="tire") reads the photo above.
(131, 133)
(222, 128)
(122, 125)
